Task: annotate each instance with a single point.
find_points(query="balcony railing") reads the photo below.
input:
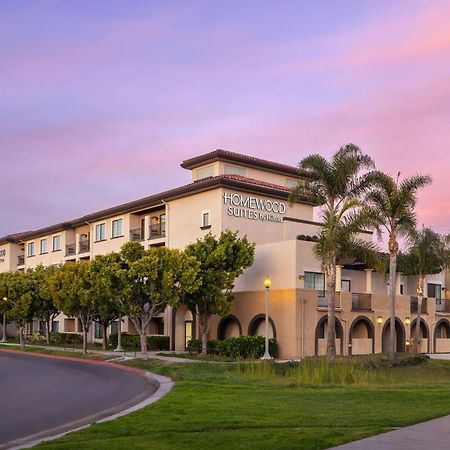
(157, 230)
(442, 305)
(70, 249)
(84, 246)
(137, 235)
(21, 260)
(323, 296)
(414, 305)
(361, 302)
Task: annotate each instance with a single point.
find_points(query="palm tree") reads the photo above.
(391, 204)
(336, 185)
(426, 255)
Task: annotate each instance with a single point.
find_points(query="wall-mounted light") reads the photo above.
(407, 343)
(379, 320)
(301, 277)
(407, 320)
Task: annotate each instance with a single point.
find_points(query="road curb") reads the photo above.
(161, 384)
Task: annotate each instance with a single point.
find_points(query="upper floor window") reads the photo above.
(434, 290)
(162, 222)
(346, 285)
(30, 249)
(56, 243)
(43, 246)
(205, 219)
(316, 281)
(100, 232)
(234, 170)
(204, 172)
(117, 228)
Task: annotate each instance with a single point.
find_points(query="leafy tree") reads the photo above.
(337, 186)
(21, 310)
(72, 289)
(155, 279)
(221, 261)
(5, 303)
(426, 255)
(391, 204)
(44, 306)
(109, 284)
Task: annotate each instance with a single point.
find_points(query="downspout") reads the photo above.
(303, 327)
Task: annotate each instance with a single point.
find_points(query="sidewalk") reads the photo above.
(431, 435)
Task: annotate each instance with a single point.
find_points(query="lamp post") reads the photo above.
(119, 336)
(5, 300)
(267, 284)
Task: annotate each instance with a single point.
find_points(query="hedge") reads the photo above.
(132, 342)
(66, 338)
(236, 347)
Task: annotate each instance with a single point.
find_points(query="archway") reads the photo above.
(442, 337)
(400, 339)
(257, 326)
(228, 326)
(424, 336)
(361, 336)
(320, 341)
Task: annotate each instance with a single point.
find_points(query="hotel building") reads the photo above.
(231, 191)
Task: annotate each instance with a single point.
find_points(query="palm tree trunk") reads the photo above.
(392, 274)
(420, 284)
(331, 311)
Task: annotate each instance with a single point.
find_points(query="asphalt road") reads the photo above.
(50, 396)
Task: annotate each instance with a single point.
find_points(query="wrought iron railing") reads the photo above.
(137, 234)
(84, 246)
(157, 230)
(361, 302)
(70, 249)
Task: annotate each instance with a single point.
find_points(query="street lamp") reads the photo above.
(267, 284)
(119, 336)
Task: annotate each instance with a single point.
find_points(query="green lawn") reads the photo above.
(244, 407)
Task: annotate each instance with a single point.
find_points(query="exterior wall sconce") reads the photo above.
(407, 321)
(407, 343)
(379, 320)
(301, 277)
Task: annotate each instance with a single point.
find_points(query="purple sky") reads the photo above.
(101, 100)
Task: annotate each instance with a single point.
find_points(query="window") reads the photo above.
(434, 290)
(162, 224)
(30, 249)
(55, 326)
(204, 172)
(98, 331)
(401, 289)
(316, 281)
(56, 243)
(117, 228)
(43, 246)
(205, 219)
(346, 286)
(234, 170)
(100, 234)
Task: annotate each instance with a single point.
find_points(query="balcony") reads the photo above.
(137, 235)
(323, 296)
(442, 305)
(21, 260)
(157, 230)
(361, 302)
(414, 305)
(84, 246)
(70, 249)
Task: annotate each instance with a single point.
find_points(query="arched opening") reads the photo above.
(361, 337)
(442, 337)
(424, 336)
(229, 326)
(257, 326)
(320, 344)
(400, 340)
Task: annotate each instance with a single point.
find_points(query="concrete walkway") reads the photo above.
(431, 435)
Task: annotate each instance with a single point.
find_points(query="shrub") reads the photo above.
(195, 346)
(65, 338)
(247, 347)
(132, 342)
(158, 343)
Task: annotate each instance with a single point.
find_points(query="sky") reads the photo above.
(100, 101)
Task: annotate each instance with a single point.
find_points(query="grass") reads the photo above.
(267, 406)
(95, 356)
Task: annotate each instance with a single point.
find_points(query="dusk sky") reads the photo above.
(101, 100)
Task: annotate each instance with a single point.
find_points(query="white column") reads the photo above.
(397, 283)
(338, 278)
(368, 280)
(146, 227)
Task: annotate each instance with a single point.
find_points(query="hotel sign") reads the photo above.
(253, 208)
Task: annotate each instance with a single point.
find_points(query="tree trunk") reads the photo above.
(21, 337)
(420, 285)
(104, 339)
(392, 275)
(204, 324)
(4, 327)
(143, 339)
(85, 332)
(331, 311)
(47, 331)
